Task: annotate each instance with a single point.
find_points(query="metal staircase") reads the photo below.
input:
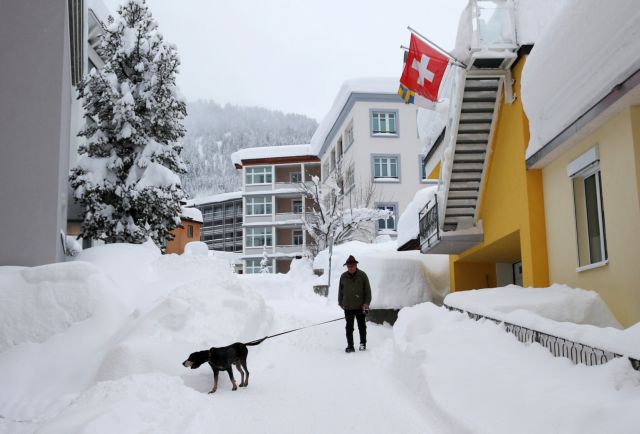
(474, 132)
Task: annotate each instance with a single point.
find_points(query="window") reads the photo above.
(325, 170)
(384, 122)
(349, 178)
(259, 205)
(389, 223)
(295, 177)
(253, 266)
(348, 136)
(258, 175)
(339, 149)
(190, 231)
(297, 237)
(385, 167)
(333, 159)
(258, 237)
(296, 206)
(589, 210)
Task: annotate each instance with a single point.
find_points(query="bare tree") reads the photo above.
(334, 217)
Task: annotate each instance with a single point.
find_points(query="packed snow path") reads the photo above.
(305, 382)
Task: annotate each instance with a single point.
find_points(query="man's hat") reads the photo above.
(351, 260)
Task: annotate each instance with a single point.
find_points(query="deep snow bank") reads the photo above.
(471, 369)
(398, 279)
(572, 313)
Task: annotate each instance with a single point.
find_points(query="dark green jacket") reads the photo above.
(354, 290)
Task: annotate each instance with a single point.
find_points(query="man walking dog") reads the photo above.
(354, 297)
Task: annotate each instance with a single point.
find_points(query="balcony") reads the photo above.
(436, 241)
(289, 218)
(290, 249)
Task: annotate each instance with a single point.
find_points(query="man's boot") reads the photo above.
(349, 349)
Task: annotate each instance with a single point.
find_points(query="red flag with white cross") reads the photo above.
(424, 69)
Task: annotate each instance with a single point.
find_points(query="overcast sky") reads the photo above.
(293, 55)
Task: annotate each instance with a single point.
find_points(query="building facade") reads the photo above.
(273, 205)
(371, 136)
(43, 49)
(222, 221)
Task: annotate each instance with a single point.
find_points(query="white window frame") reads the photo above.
(297, 233)
(348, 138)
(253, 202)
(252, 266)
(253, 175)
(293, 206)
(294, 175)
(387, 205)
(261, 236)
(579, 170)
(384, 115)
(387, 164)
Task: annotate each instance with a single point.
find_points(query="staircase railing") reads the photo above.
(429, 223)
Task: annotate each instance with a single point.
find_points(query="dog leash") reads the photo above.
(258, 341)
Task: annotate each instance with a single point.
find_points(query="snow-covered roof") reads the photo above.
(379, 85)
(270, 152)
(214, 198)
(192, 214)
(591, 47)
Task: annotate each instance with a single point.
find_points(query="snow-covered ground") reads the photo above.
(96, 346)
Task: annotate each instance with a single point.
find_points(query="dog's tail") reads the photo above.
(257, 341)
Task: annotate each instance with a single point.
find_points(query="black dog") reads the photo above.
(222, 359)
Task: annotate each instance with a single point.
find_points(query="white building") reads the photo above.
(273, 204)
(373, 136)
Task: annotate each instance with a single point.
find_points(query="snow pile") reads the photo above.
(270, 152)
(603, 35)
(557, 302)
(473, 371)
(196, 248)
(386, 85)
(37, 303)
(431, 122)
(409, 223)
(572, 313)
(397, 279)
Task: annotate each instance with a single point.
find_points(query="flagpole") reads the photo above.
(415, 32)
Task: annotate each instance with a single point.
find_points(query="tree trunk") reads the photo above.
(329, 273)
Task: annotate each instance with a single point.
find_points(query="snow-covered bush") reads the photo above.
(127, 176)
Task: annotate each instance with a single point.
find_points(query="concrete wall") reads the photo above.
(35, 84)
(617, 282)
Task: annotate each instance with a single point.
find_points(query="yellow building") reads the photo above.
(489, 216)
(589, 155)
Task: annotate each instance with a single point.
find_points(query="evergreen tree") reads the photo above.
(127, 177)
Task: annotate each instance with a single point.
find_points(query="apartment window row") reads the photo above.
(253, 266)
(259, 237)
(259, 205)
(258, 175)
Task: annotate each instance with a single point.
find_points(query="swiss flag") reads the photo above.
(424, 69)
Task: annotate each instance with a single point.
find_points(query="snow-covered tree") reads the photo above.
(334, 217)
(264, 262)
(127, 177)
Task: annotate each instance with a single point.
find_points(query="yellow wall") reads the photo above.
(511, 207)
(435, 173)
(618, 282)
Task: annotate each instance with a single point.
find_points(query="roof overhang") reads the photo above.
(277, 160)
(621, 96)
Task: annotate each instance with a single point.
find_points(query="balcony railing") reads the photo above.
(558, 346)
(290, 248)
(429, 225)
